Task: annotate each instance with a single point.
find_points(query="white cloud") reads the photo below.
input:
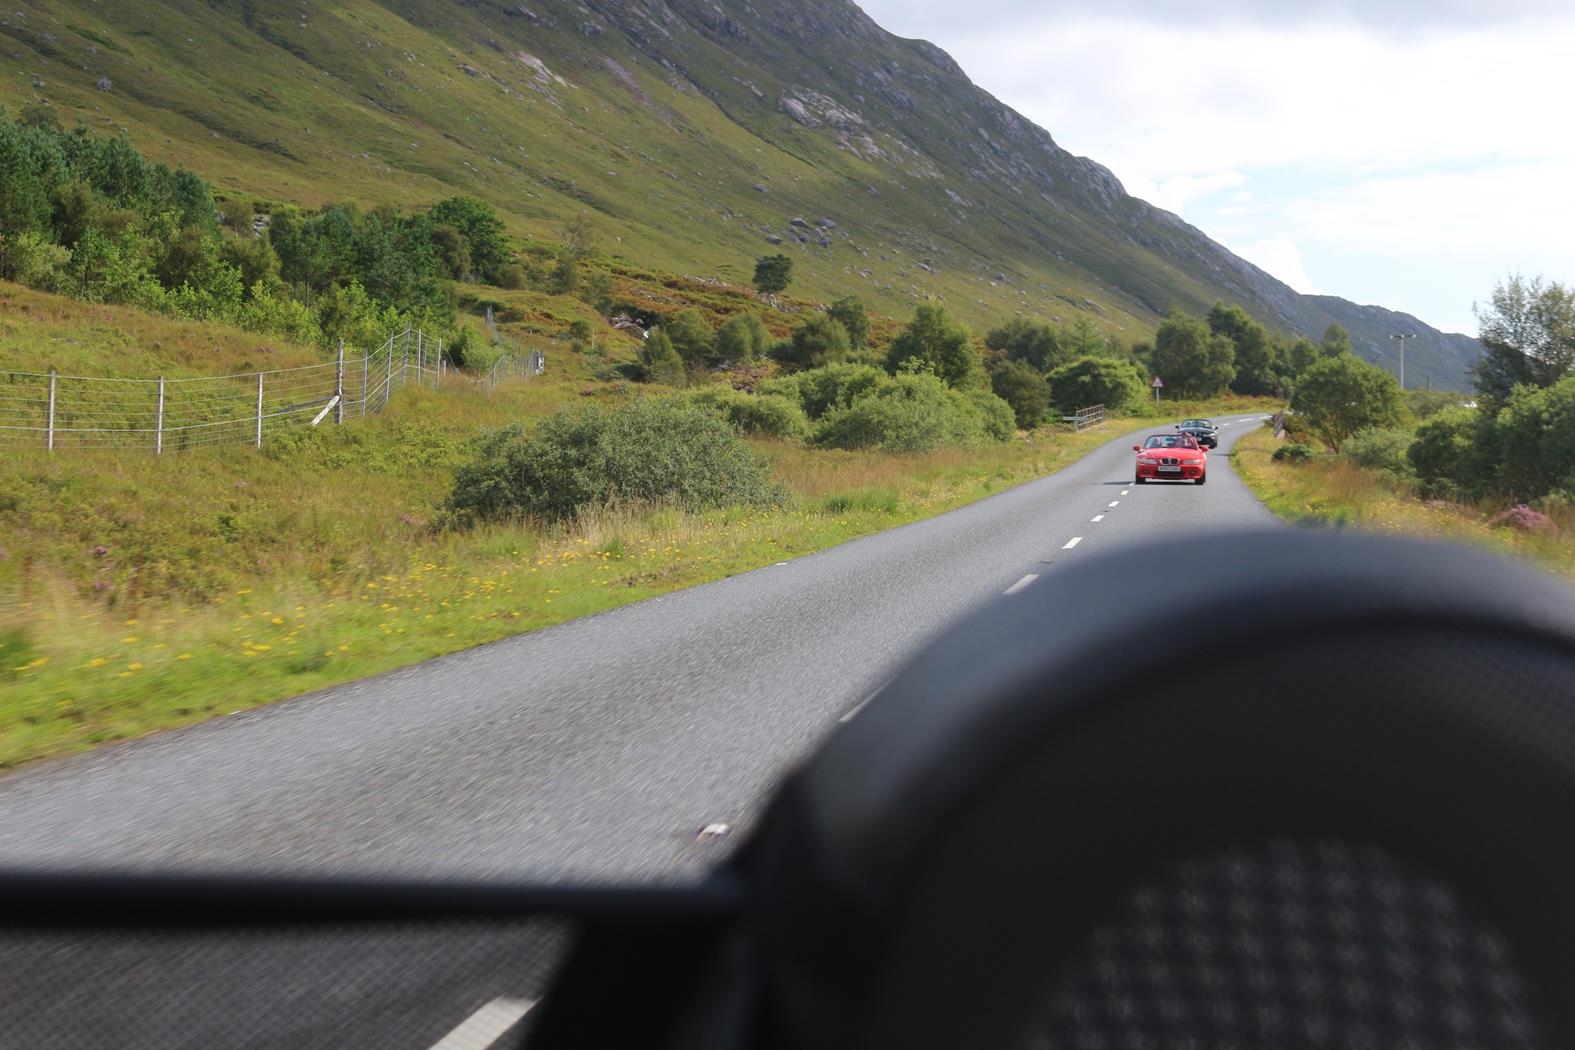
(1442, 150)
(1175, 193)
(1281, 258)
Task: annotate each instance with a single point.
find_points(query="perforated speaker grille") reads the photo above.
(1294, 944)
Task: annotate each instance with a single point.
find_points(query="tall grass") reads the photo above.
(1334, 490)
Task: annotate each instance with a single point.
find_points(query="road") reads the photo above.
(591, 751)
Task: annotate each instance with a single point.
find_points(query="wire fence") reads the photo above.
(54, 411)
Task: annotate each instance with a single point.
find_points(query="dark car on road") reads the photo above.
(1206, 433)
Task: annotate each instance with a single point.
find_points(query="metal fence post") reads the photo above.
(442, 361)
(339, 385)
(366, 361)
(259, 408)
(404, 367)
(388, 385)
(158, 432)
(50, 440)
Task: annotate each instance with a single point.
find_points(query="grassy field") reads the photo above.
(140, 593)
(1334, 491)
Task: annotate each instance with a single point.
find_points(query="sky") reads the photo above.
(1404, 153)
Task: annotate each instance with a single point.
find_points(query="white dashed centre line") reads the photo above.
(1125, 491)
(1097, 517)
(1020, 584)
(1073, 542)
(1115, 503)
(486, 1026)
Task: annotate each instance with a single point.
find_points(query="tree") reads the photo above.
(660, 362)
(1192, 360)
(850, 314)
(578, 237)
(1336, 341)
(1255, 371)
(1024, 387)
(1534, 440)
(742, 337)
(1342, 394)
(773, 273)
(565, 274)
(483, 233)
(1528, 333)
(599, 292)
(934, 343)
(691, 336)
(1096, 381)
(1033, 342)
(819, 340)
(1300, 355)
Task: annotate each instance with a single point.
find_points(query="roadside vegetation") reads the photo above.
(1496, 468)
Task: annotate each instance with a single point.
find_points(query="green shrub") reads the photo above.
(1384, 449)
(742, 337)
(761, 415)
(1024, 388)
(819, 390)
(820, 340)
(1096, 381)
(1446, 453)
(915, 413)
(659, 362)
(933, 343)
(995, 414)
(668, 451)
(1534, 440)
(1294, 452)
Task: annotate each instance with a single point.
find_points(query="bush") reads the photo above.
(932, 343)
(818, 342)
(1342, 394)
(1445, 453)
(742, 337)
(1294, 452)
(691, 336)
(659, 362)
(1023, 387)
(1534, 440)
(1096, 381)
(656, 451)
(821, 390)
(773, 273)
(761, 415)
(916, 413)
(1384, 449)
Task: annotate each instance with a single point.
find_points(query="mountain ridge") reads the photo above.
(696, 132)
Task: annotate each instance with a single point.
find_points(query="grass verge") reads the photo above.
(140, 594)
(1334, 491)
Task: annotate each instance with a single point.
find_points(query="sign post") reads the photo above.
(1158, 384)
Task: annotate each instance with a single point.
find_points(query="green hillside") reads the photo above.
(693, 135)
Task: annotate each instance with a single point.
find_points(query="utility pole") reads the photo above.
(1402, 339)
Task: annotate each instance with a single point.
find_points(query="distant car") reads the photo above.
(1171, 457)
(1206, 433)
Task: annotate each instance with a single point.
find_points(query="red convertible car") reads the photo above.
(1171, 457)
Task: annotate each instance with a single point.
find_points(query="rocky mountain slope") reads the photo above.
(696, 134)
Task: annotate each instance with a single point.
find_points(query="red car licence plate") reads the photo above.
(1170, 470)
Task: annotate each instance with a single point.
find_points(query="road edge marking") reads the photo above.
(486, 1026)
(1073, 542)
(1020, 584)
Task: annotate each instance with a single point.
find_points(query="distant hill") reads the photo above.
(697, 134)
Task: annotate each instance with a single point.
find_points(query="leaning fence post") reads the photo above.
(259, 408)
(50, 438)
(339, 385)
(158, 427)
